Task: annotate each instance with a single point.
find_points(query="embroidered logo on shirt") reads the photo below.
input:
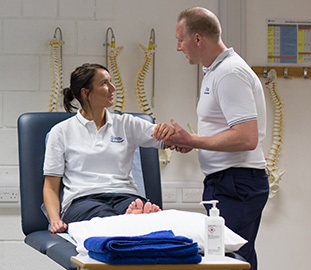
(206, 92)
(116, 139)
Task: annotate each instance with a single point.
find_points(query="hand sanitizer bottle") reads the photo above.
(214, 246)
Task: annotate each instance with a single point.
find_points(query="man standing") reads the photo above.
(231, 127)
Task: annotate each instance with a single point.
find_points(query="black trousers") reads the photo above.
(242, 194)
(99, 205)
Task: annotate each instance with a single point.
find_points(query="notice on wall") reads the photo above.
(289, 42)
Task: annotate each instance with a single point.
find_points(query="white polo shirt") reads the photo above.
(231, 93)
(93, 161)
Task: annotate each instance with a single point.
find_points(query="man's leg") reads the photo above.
(242, 195)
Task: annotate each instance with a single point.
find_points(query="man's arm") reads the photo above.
(241, 137)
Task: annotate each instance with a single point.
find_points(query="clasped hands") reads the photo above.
(174, 137)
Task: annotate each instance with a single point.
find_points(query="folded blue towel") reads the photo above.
(157, 247)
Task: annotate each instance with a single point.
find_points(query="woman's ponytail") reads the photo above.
(68, 98)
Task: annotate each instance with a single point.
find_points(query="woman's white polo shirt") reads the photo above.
(94, 161)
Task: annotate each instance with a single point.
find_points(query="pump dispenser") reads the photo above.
(214, 246)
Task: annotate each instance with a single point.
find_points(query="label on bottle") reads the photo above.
(214, 240)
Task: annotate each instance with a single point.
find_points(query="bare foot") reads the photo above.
(137, 207)
(151, 208)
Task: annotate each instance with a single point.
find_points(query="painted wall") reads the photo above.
(26, 26)
(285, 231)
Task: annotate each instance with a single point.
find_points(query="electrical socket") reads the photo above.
(169, 195)
(9, 194)
(192, 195)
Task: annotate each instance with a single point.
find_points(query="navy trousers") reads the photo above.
(99, 205)
(242, 194)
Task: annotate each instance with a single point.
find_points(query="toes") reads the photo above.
(135, 207)
(130, 208)
(155, 208)
(147, 208)
(139, 205)
(151, 208)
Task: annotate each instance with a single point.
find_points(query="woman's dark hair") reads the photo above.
(81, 77)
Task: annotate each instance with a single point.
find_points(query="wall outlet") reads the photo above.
(169, 195)
(9, 194)
(192, 195)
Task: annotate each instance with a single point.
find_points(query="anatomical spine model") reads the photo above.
(165, 154)
(140, 81)
(56, 66)
(275, 174)
(116, 77)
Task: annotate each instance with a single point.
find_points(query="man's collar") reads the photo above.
(218, 60)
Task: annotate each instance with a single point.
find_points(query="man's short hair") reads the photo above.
(201, 21)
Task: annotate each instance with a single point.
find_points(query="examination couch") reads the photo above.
(32, 131)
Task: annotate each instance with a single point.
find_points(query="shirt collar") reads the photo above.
(109, 119)
(84, 121)
(218, 60)
(81, 119)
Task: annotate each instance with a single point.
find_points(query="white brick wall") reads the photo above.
(24, 103)
(11, 8)
(91, 37)
(8, 139)
(26, 26)
(82, 9)
(8, 176)
(19, 72)
(1, 105)
(40, 8)
(104, 9)
(32, 36)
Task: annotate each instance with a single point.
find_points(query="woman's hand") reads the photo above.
(162, 132)
(58, 226)
(165, 133)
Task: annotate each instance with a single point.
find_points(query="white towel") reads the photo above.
(183, 223)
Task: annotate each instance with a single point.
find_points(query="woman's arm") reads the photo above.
(52, 203)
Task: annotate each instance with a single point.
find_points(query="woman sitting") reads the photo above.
(92, 154)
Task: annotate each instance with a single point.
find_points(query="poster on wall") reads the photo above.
(289, 42)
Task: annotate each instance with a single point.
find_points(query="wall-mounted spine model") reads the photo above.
(274, 172)
(149, 53)
(111, 56)
(116, 79)
(56, 67)
(140, 81)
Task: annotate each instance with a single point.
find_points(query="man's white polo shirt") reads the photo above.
(231, 93)
(94, 161)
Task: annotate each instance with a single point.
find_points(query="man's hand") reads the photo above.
(180, 149)
(177, 140)
(181, 137)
